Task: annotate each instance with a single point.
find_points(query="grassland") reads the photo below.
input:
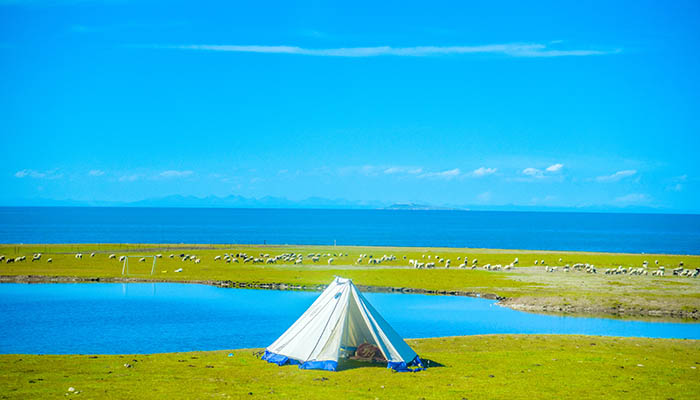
(476, 367)
(527, 287)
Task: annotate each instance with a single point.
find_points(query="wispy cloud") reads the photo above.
(448, 174)
(616, 176)
(533, 172)
(403, 170)
(96, 172)
(31, 173)
(483, 171)
(130, 178)
(633, 198)
(508, 49)
(175, 174)
(555, 168)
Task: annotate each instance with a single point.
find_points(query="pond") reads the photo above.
(116, 318)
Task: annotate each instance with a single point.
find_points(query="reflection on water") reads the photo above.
(117, 318)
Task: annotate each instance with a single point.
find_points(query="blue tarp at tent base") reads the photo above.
(330, 365)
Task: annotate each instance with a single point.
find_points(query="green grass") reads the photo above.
(527, 287)
(473, 367)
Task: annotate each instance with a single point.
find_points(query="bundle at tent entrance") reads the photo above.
(341, 323)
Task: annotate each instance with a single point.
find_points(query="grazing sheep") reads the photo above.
(36, 257)
(447, 264)
(560, 260)
(462, 266)
(159, 256)
(142, 259)
(217, 258)
(172, 256)
(535, 262)
(10, 260)
(178, 270)
(475, 261)
(330, 261)
(515, 262)
(2, 258)
(49, 260)
(122, 258)
(79, 256)
(111, 256)
(656, 262)
(92, 254)
(197, 261)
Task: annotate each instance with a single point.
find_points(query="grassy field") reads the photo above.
(526, 287)
(475, 367)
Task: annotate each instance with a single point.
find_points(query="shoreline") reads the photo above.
(619, 312)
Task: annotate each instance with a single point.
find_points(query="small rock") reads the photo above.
(491, 376)
(127, 365)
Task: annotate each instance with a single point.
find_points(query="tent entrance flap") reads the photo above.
(340, 324)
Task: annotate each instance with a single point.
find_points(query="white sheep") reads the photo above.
(122, 258)
(142, 259)
(112, 256)
(330, 261)
(49, 260)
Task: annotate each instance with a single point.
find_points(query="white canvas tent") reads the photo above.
(336, 324)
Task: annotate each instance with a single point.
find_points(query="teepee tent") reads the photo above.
(339, 322)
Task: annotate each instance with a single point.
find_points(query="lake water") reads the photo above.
(608, 232)
(114, 318)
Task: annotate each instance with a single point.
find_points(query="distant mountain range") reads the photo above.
(234, 201)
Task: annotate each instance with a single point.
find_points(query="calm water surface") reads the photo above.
(609, 232)
(113, 318)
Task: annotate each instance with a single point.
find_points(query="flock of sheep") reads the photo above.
(427, 261)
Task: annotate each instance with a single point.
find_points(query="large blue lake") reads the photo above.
(635, 233)
(113, 318)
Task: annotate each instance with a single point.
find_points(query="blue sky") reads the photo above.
(491, 104)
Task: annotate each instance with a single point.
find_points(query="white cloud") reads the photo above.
(555, 168)
(508, 49)
(130, 178)
(96, 172)
(633, 198)
(616, 176)
(175, 174)
(533, 172)
(403, 170)
(51, 174)
(483, 171)
(448, 174)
